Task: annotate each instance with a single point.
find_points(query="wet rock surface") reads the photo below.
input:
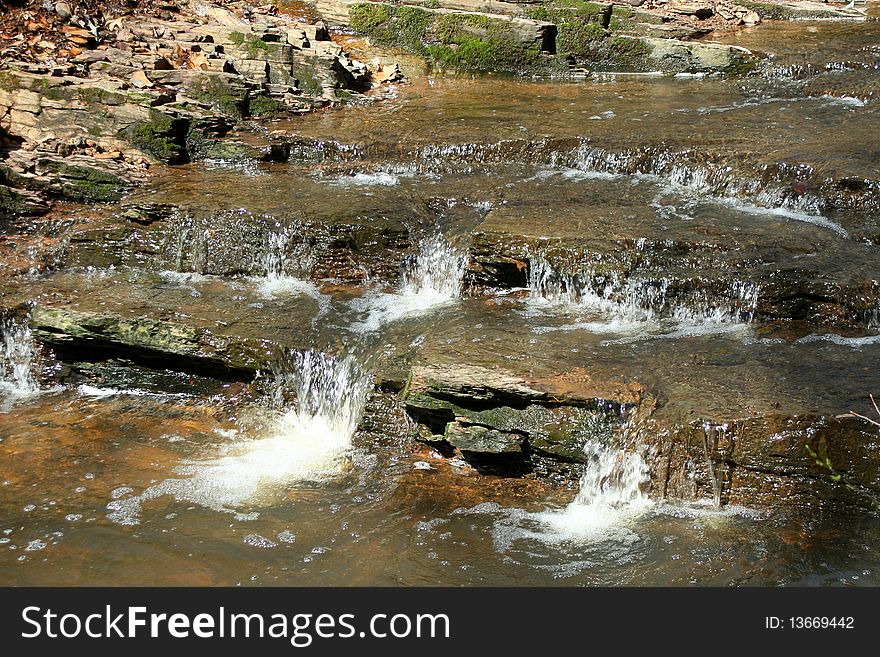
(88, 123)
(496, 288)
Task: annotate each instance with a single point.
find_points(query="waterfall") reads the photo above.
(611, 493)
(287, 264)
(431, 278)
(331, 392)
(630, 303)
(626, 301)
(306, 441)
(437, 271)
(16, 359)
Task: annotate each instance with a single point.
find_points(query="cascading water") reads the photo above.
(437, 270)
(308, 442)
(283, 260)
(16, 359)
(432, 278)
(612, 491)
(626, 301)
(630, 304)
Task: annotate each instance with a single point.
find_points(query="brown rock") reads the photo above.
(140, 80)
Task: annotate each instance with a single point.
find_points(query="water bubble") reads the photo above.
(35, 545)
(287, 536)
(73, 517)
(257, 541)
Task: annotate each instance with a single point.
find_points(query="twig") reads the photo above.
(867, 419)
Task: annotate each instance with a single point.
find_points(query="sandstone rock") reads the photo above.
(149, 341)
(693, 57)
(140, 80)
(692, 9)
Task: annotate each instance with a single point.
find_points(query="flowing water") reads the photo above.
(16, 361)
(713, 241)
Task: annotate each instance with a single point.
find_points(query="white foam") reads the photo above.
(855, 343)
(632, 307)
(786, 213)
(568, 173)
(432, 280)
(376, 179)
(307, 443)
(279, 285)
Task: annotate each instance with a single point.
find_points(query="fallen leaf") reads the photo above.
(75, 31)
(198, 60)
(140, 80)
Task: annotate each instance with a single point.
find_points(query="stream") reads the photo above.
(711, 243)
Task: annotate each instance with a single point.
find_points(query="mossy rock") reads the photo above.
(98, 96)
(306, 80)
(216, 90)
(462, 41)
(163, 136)
(85, 183)
(773, 11)
(265, 106)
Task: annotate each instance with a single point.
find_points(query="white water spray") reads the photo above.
(16, 359)
(309, 442)
(285, 262)
(611, 494)
(431, 279)
(629, 305)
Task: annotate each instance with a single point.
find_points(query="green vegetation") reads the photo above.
(162, 136)
(367, 17)
(775, 12)
(98, 96)
(307, 81)
(468, 42)
(84, 183)
(262, 106)
(216, 91)
(253, 45)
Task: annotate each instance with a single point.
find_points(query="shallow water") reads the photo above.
(663, 211)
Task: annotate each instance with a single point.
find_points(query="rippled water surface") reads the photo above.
(166, 478)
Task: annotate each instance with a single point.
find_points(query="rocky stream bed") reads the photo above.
(500, 293)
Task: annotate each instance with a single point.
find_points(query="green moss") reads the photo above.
(9, 82)
(622, 13)
(265, 106)
(51, 91)
(627, 52)
(562, 10)
(489, 54)
(162, 136)
(307, 81)
(11, 202)
(411, 25)
(469, 42)
(237, 38)
(83, 183)
(431, 4)
(98, 96)
(578, 38)
(216, 91)
(366, 17)
(581, 25)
